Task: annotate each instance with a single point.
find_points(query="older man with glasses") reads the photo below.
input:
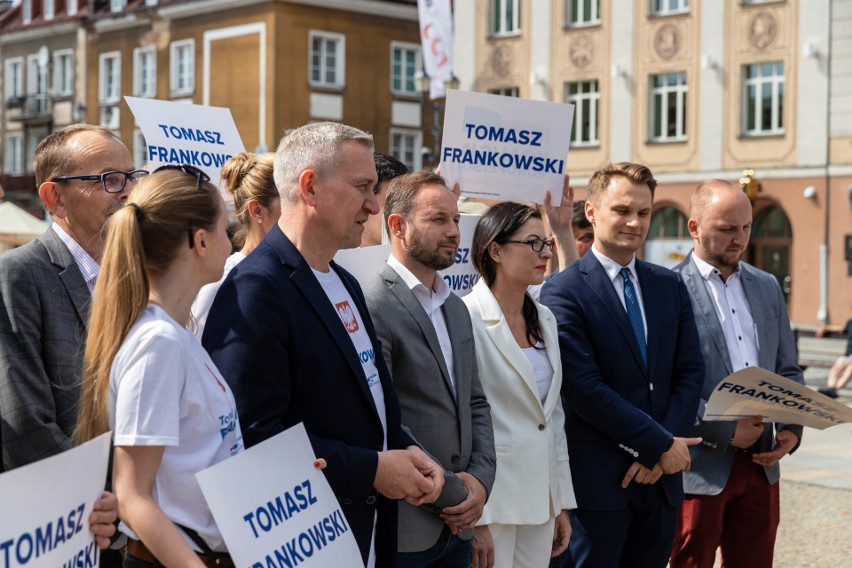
(83, 173)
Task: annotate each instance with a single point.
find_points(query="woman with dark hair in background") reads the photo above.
(148, 379)
(257, 205)
(517, 352)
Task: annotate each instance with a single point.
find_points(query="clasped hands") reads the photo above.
(673, 460)
(409, 474)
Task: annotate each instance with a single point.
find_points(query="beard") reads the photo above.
(434, 258)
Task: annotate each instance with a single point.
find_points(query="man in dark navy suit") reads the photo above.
(632, 374)
(290, 331)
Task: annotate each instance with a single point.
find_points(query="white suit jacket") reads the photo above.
(533, 482)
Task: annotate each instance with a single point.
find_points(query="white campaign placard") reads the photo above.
(179, 133)
(364, 262)
(46, 506)
(275, 509)
(461, 276)
(757, 392)
(505, 148)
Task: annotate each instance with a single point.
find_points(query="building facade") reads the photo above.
(698, 89)
(276, 64)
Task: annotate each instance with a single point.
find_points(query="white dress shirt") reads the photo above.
(733, 311)
(431, 300)
(612, 270)
(87, 265)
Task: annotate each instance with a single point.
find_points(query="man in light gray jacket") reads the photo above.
(732, 498)
(427, 342)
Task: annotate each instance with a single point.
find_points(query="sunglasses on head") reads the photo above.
(199, 175)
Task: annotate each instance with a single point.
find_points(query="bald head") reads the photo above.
(720, 224)
(714, 191)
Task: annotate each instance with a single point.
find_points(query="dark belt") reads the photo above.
(138, 550)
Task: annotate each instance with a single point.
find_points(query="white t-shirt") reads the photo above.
(542, 369)
(345, 307)
(201, 306)
(165, 391)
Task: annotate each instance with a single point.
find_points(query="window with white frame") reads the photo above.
(117, 5)
(139, 150)
(668, 107)
(583, 12)
(145, 71)
(763, 99)
(63, 72)
(13, 154)
(36, 76)
(182, 67)
(405, 146)
(71, 7)
(48, 9)
(666, 7)
(505, 91)
(109, 91)
(405, 64)
(151, 2)
(585, 96)
(14, 78)
(27, 11)
(326, 63)
(505, 17)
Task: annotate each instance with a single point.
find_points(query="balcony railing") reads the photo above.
(32, 108)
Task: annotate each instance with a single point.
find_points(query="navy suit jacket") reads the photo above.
(283, 349)
(617, 411)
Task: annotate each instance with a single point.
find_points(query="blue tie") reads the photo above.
(634, 314)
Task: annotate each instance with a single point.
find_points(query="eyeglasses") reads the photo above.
(536, 244)
(113, 182)
(200, 176)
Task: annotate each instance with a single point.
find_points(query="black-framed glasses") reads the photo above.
(536, 244)
(113, 181)
(198, 174)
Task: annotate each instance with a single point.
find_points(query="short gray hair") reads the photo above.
(312, 146)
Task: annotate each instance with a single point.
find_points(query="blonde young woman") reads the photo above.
(148, 379)
(257, 205)
(517, 353)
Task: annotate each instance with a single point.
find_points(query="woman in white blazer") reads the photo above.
(517, 351)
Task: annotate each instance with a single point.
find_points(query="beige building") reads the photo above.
(277, 64)
(698, 89)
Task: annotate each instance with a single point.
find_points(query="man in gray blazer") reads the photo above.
(742, 322)
(46, 287)
(427, 341)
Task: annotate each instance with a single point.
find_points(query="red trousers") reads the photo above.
(742, 520)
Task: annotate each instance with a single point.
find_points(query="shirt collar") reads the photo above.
(439, 290)
(613, 268)
(708, 271)
(88, 266)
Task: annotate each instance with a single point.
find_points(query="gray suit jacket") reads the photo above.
(711, 460)
(452, 425)
(46, 304)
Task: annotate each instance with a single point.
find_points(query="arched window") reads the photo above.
(668, 223)
(771, 223)
(668, 240)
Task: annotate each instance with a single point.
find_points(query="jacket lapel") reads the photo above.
(498, 331)
(70, 275)
(405, 296)
(759, 313)
(551, 341)
(598, 280)
(307, 284)
(704, 303)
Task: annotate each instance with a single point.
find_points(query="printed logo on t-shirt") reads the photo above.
(347, 315)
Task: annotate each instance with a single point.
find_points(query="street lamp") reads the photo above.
(421, 83)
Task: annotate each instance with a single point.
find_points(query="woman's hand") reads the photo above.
(561, 534)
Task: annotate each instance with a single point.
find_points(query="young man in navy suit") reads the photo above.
(290, 331)
(632, 375)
